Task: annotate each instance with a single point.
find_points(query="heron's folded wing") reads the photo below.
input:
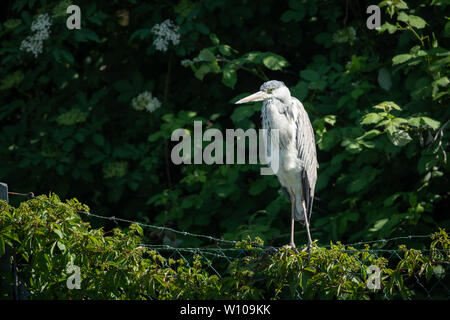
(306, 146)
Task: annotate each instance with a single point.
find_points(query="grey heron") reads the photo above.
(298, 164)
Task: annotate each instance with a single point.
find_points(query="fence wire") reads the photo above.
(215, 256)
(224, 252)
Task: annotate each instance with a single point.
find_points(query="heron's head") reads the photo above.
(272, 89)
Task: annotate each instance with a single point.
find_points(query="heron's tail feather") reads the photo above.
(298, 216)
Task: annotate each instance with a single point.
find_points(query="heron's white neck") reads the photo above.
(283, 95)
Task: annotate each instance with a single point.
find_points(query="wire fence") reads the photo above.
(222, 252)
(217, 255)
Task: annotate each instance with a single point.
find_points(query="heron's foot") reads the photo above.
(307, 249)
(291, 246)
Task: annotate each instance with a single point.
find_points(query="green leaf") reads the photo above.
(414, 121)
(369, 134)
(401, 58)
(390, 200)
(98, 139)
(325, 39)
(67, 55)
(389, 27)
(61, 246)
(68, 145)
(136, 227)
(398, 121)
(355, 94)
(12, 23)
(202, 71)
(430, 122)
(257, 187)
(352, 216)
(300, 91)
(84, 34)
(441, 82)
(426, 163)
(330, 119)
(11, 80)
(243, 112)
(417, 22)
(329, 140)
(371, 118)
(214, 39)
(387, 106)
(428, 271)
(362, 180)
(229, 75)
(202, 28)
(253, 57)
(295, 4)
(288, 16)
(352, 145)
(399, 138)
(274, 62)
(447, 30)
(207, 55)
(384, 79)
(226, 50)
(439, 272)
(141, 33)
(59, 233)
(400, 4)
(379, 225)
(402, 16)
(310, 75)
(123, 86)
(318, 85)
(189, 201)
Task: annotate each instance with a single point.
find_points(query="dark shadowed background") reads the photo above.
(377, 100)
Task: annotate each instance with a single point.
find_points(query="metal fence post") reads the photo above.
(7, 265)
(8, 261)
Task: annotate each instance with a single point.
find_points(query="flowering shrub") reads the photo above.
(41, 32)
(166, 32)
(145, 101)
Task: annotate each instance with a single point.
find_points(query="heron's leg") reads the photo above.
(292, 196)
(307, 227)
(305, 214)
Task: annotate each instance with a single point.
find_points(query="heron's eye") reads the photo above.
(269, 90)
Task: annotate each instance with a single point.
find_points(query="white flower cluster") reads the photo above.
(41, 31)
(145, 101)
(187, 62)
(166, 31)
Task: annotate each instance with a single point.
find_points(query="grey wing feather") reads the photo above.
(306, 146)
(266, 126)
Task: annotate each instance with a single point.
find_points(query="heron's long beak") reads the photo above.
(258, 96)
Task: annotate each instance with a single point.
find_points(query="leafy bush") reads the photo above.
(48, 236)
(72, 122)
